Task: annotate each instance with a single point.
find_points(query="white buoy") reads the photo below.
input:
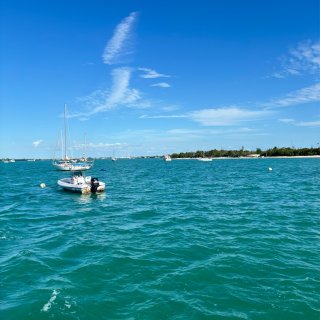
(42, 185)
(270, 169)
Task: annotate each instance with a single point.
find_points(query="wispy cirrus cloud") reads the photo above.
(161, 85)
(303, 59)
(152, 74)
(183, 134)
(301, 123)
(102, 145)
(308, 123)
(117, 45)
(120, 94)
(170, 108)
(37, 143)
(120, 91)
(227, 116)
(235, 115)
(286, 120)
(202, 133)
(172, 116)
(301, 96)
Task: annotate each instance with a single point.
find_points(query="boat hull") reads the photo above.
(67, 166)
(84, 188)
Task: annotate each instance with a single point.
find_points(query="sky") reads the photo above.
(156, 77)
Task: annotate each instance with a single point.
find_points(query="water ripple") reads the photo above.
(179, 240)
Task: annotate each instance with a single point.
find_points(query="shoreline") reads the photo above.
(276, 157)
(157, 157)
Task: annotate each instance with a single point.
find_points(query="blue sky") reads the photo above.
(155, 77)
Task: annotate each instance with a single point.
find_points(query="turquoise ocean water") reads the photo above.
(227, 239)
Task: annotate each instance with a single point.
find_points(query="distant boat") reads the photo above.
(113, 158)
(167, 157)
(8, 160)
(77, 182)
(66, 163)
(205, 159)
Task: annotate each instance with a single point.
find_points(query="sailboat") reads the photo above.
(66, 163)
(204, 158)
(113, 158)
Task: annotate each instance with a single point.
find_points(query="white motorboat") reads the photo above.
(82, 184)
(167, 157)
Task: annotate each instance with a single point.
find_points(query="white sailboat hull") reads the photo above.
(67, 166)
(65, 163)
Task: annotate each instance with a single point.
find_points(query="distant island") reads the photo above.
(274, 152)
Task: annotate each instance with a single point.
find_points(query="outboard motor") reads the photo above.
(94, 185)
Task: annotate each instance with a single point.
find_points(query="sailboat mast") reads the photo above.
(65, 132)
(61, 141)
(85, 146)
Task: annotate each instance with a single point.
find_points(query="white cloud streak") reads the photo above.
(226, 116)
(102, 145)
(303, 59)
(163, 116)
(183, 134)
(117, 44)
(308, 124)
(301, 123)
(152, 74)
(161, 85)
(287, 120)
(170, 108)
(302, 96)
(234, 115)
(37, 143)
(120, 91)
(119, 95)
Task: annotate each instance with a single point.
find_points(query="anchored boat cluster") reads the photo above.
(77, 182)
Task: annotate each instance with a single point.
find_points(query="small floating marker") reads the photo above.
(270, 169)
(42, 185)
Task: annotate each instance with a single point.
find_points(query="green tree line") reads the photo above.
(274, 152)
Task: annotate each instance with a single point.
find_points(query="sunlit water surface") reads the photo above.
(227, 239)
